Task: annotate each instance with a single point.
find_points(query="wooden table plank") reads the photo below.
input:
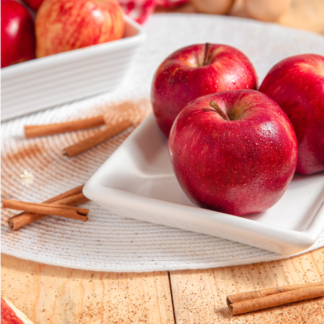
(49, 294)
(199, 296)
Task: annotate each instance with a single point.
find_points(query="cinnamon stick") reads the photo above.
(71, 192)
(266, 292)
(26, 218)
(47, 209)
(97, 139)
(277, 299)
(50, 129)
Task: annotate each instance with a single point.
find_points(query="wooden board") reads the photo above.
(49, 294)
(200, 296)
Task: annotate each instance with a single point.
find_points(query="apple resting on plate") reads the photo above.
(64, 25)
(196, 71)
(234, 151)
(297, 85)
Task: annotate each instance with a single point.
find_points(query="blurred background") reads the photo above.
(303, 14)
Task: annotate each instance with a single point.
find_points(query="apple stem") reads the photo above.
(207, 51)
(214, 105)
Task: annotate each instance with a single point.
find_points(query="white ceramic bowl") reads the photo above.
(137, 181)
(45, 82)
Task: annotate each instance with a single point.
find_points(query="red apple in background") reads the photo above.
(10, 314)
(17, 33)
(195, 71)
(233, 151)
(64, 25)
(297, 85)
(34, 4)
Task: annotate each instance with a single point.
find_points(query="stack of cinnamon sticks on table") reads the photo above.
(271, 297)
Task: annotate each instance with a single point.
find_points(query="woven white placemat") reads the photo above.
(108, 242)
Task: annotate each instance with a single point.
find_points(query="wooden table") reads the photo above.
(49, 294)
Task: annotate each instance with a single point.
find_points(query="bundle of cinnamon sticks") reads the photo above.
(59, 205)
(110, 131)
(271, 297)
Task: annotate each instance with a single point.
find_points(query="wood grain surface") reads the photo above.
(49, 294)
(200, 296)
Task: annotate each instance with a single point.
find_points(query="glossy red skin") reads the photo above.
(297, 85)
(8, 316)
(64, 25)
(238, 166)
(34, 4)
(182, 77)
(17, 33)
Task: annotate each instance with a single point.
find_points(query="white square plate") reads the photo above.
(56, 79)
(137, 181)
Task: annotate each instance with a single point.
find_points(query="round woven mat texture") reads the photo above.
(108, 242)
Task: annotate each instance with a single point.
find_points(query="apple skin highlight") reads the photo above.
(64, 25)
(297, 85)
(238, 166)
(189, 73)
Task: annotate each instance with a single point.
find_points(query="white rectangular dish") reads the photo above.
(56, 79)
(137, 181)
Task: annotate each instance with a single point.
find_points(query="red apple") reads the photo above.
(64, 25)
(297, 85)
(17, 33)
(34, 4)
(195, 71)
(10, 314)
(234, 151)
